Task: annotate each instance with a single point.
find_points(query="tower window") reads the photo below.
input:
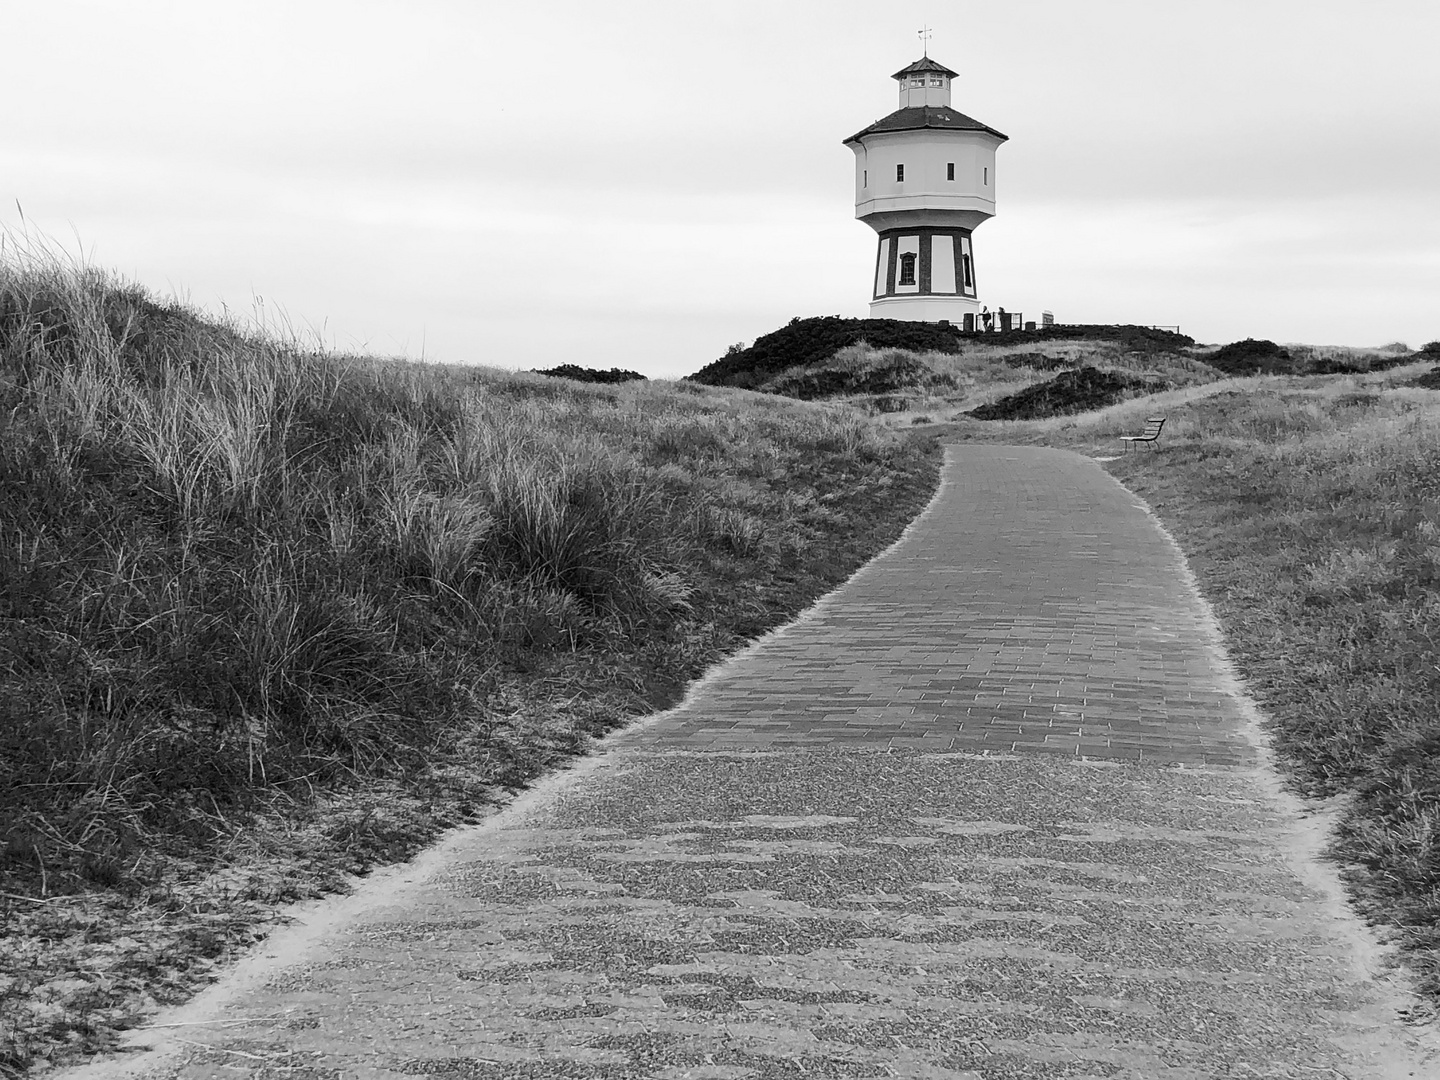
(907, 269)
(899, 174)
(987, 175)
(865, 182)
(935, 80)
(949, 170)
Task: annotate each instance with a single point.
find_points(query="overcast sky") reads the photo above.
(637, 184)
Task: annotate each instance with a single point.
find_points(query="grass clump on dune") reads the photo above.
(270, 615)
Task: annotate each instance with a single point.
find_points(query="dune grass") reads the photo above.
(269, 616)
(901, 386)
(1310, 510)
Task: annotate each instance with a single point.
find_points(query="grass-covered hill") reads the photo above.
(270, 615)
(808, 343)
(925, 373)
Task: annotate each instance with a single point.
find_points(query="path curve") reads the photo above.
(995, 808)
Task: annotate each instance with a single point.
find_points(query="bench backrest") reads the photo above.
(1153, 426)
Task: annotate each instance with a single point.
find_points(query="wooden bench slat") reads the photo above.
(1153, 425)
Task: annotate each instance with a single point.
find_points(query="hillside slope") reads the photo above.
(270, 615)
(808, 342)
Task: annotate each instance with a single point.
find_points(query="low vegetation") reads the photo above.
(1260, 357)
(803, 342)
(590, 375)
(859, 370)
(1079, 390)
(269, 616)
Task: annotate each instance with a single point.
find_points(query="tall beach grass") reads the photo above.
(270, 614)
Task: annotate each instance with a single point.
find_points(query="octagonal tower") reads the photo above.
(924, 180)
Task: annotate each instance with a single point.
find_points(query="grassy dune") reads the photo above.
(908, 387)
(1309, 507)
(269, 616)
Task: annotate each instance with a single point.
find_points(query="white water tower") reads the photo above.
(924, 180)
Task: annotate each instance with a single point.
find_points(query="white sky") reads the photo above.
(641, 184)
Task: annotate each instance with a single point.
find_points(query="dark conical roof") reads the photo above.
(918, 117)
(923, 64)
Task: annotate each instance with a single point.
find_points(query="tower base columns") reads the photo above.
(925, 308)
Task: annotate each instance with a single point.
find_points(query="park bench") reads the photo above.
(1149, 435)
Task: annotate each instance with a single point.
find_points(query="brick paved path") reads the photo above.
(796, 874)
(1035, 608)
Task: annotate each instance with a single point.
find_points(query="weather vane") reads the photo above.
(924, 33)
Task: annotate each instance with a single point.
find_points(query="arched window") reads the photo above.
(907, 268)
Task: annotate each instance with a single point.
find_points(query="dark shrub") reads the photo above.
(805, 342)
(1251, 357)
(593, 375)
(1076, 391)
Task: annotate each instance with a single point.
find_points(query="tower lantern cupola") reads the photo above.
(924, 181)
(924, 83)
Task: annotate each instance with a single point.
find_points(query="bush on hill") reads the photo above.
(1251, 357)
(1137, 338)
(590, 375)
(1081, 390)
(805, 342)
(1261, 357)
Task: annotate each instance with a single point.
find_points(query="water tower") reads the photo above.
(924, 180)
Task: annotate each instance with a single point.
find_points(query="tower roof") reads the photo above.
(923, 64)
(920, 117)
